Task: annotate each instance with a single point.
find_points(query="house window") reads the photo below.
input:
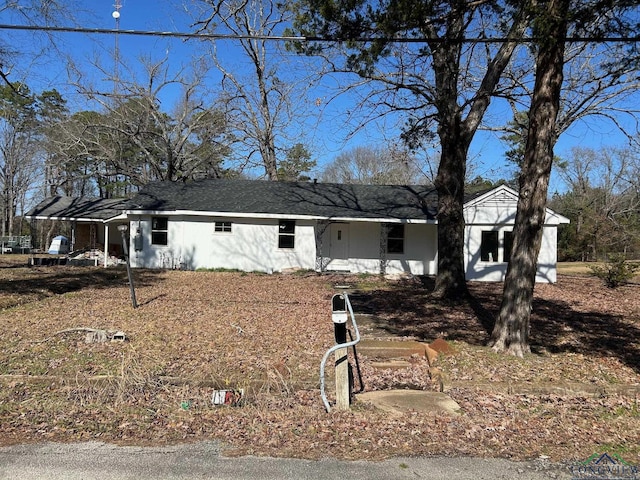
(489, 246)
(159, 230)
(286, 234)
(223, 227)
(395, 238)
(507, 246)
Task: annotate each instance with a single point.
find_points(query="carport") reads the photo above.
(94, 222)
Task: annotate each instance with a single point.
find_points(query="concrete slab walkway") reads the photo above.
(397, 402)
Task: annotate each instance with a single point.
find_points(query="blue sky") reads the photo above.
(324, 130)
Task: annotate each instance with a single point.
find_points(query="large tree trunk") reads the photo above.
(455, 136)
(450, 281)
(511, 331)
(449, 182)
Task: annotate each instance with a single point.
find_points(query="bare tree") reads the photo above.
(511, 333)
(553, 20)
(264, 98)
(602, 200)
(134, 138)
(19, 147)
(600, 82)
(374, 165)
(13, 66)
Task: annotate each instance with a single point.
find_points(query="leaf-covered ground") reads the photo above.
(196, 331)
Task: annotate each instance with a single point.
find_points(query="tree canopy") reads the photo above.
(442, 85)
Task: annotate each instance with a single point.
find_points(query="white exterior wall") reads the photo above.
(479, 270)
(252, 245)
(548, 257)
(498, 213)
(363, 253)
(419, 257)
(420, 251)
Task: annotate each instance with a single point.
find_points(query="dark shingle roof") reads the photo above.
(290, 198)
(73, 208)
(231, 196)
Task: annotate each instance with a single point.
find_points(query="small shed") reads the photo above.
(59, 245)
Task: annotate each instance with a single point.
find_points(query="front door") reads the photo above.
(339, 249)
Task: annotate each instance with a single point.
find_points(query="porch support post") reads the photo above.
(106, 244)
(384, 235)
(321, 227)
(74, 225)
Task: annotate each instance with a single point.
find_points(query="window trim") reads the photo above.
(397, 239)
(494, 252)
(284, 237)
(223, 226)
(158, 233)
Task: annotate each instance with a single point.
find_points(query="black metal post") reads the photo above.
(125, 247)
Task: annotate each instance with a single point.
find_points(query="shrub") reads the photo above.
(616, 271)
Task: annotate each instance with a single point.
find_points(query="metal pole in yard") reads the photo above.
(123, 229)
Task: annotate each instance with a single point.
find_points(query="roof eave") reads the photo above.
(199, 213)
(65, 218)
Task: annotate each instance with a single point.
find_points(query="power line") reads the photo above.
(293, 38)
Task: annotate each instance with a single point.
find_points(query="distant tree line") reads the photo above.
(47, 150)
(602, 201)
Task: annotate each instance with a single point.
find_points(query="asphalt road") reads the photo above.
(89, 461)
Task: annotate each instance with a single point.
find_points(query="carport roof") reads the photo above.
(79, 209)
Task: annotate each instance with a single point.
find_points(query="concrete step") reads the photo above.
(397, 402)
(390, 349)
(391, 364)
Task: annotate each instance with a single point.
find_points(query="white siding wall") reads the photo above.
(420, 251)
(478, 270)
(252, 245)
(548, 258)
(419, 257)
(498, 214)
(491, 214)
(364, 248)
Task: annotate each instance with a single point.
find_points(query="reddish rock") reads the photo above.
(441, 346)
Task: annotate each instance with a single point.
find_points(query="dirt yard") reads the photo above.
(194, 332)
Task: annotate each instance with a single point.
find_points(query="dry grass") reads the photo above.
(583, 268)
(576, 268)
(196, 331)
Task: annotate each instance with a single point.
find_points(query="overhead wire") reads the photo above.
(298, 38)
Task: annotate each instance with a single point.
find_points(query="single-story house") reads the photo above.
(252, 225)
